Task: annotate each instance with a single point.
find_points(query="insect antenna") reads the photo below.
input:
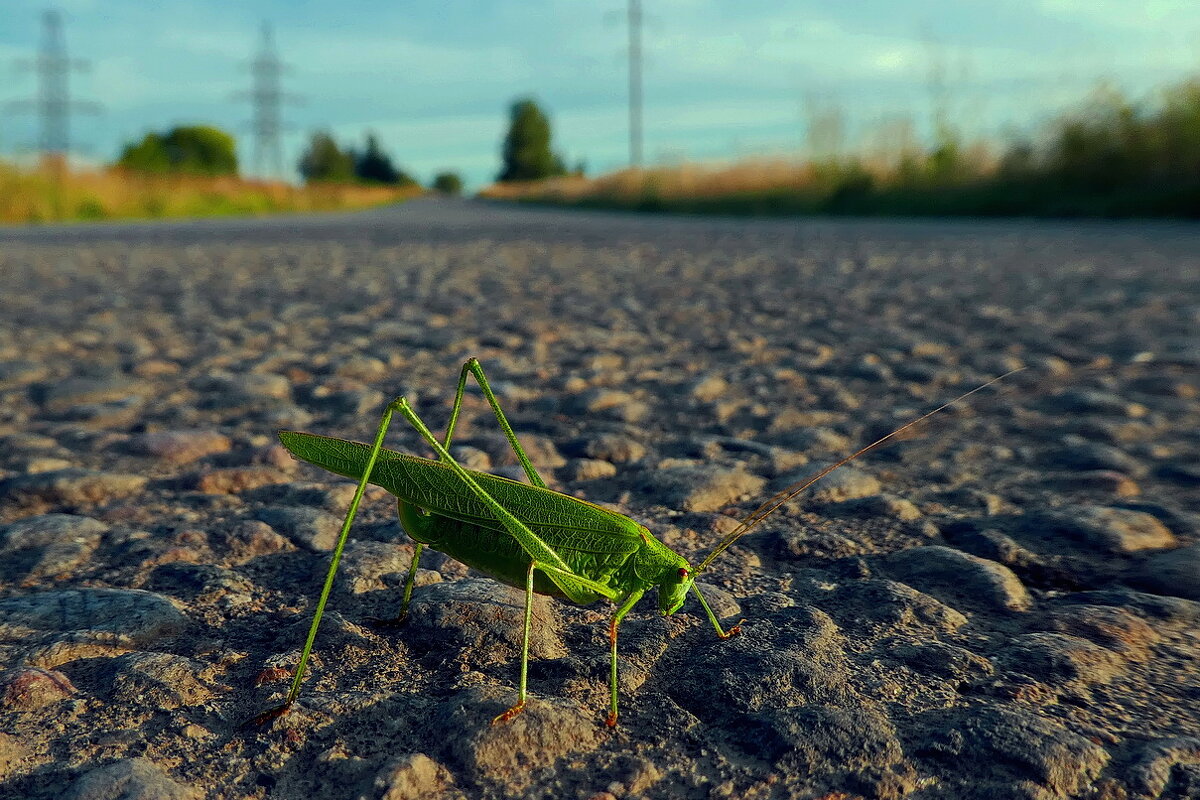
(773, 504)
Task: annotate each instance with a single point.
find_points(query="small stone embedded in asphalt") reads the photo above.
(126, 617)
(1173, 572)
(31, 688)
(994, 751)
(958, 577)
(232, 480)
(179, 447)
(486, 616)
(63, 395)
(70, 487)
(306, 527)
(847, 483)
(613, 447)
(48, 546)
(699, 488)
(1059, 659)
(414, 776)
(546, 731)
(164, 680)
(129, 779)
(1116, 530)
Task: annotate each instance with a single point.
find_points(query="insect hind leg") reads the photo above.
(473, 367)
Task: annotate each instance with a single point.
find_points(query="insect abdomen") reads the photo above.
(499, 555)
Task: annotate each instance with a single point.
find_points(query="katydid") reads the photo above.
(524, 535)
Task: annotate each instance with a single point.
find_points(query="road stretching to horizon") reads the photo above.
(1003, 604)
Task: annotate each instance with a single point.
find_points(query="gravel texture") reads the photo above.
(1003, 604)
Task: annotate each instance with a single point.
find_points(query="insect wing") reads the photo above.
(561, 520)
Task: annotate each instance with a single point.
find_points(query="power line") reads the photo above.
(267, 96)
(53, 104)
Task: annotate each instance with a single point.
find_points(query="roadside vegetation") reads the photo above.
(193, 171)
(1111, 158)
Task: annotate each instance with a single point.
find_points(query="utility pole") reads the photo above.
(267, 96)
(53, 104)
(635, 83)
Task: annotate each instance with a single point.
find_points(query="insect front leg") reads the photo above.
(620, 613)
(473, 367)
(721, 632)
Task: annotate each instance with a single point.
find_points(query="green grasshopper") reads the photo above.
(524, 535)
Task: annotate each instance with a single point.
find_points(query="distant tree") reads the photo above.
(148, 155)
(375, 166)
(448, 183)
(193, 149)
(323, 160)
(527, 154)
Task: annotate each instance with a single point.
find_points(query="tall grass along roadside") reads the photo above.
(50, 193)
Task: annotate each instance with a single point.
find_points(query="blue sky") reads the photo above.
(723, 79)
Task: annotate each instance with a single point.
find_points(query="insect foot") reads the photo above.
(270, 715)
(611, 720)
(734, 631)
(507, 715)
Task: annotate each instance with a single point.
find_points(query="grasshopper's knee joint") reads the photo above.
(472, 363)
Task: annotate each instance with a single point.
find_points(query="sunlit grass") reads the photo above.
(45, 194)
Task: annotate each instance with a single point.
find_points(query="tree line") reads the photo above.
(210, 151)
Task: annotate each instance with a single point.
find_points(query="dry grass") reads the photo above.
(675, 182)
(46, 194)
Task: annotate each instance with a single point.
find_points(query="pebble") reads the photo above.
(587, 469)
(547, 730)
(179, 447)
(1097, 530)
(127, 617)
(1091, 401)
(31, 688)
(70, 487)
(233, 480)
(414, 776)
(1115, 628)
(698, 488)
(63, 395)
(959, 577)
(1059, 659)
(1174, 572)
(129, 779)
(159, 680)
(309, 528)
(793, 654)
(816, 738)
(374, 566)
(613, 447)
(49, 546)
(995, 751)
(1085, 456)
(847, 483)
(485, 616)
(888, 506)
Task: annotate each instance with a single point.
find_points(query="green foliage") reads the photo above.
(373, 165)
(527, 155)
(185, 149)
(324, 161)
(448, 183)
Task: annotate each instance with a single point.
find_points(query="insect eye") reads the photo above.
(683, 572)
